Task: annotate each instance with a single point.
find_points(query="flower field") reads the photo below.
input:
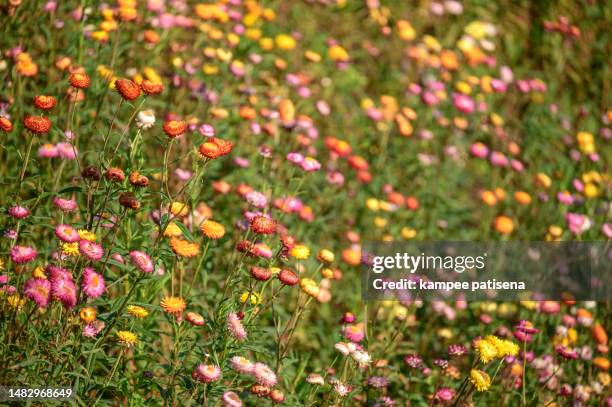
(187, 187)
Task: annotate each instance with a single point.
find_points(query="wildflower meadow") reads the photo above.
(187, 188)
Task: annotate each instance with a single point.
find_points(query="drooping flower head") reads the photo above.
(480, 379)
(184, 248)
(194, 318)
(234, 325)
(137, 311)
(127, 88)
(142, 261)
(231, 399)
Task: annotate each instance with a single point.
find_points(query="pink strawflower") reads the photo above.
(457, 350)
(93, 251)
(578, 223)
(48, 151)
(310, 164)
(66, 205)
(64, 291)
(565, 197)
(207, 130)
(19, 212)
(444, 394)
(242, 365)
(231, 399)
(479, 150)
(257, 199)
(566, 352)
(463, 103)
(206, 373)
(264, 375)
(142, 261)
(38, 290)
(295, 158)
(607, 230)
(93, 283)
(66, 233)
(234, 325)
(92, 330)
(66, 150)
(56, 273)
(23, 254)
(413, 361)
(498, 159)
(353, 333)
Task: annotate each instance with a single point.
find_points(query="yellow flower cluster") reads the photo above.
(492, 347)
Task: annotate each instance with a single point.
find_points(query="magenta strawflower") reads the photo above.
(234, 325)
(142, 261)
(23, 254)
(378, 381)
(457, 350)
(264, 375)
(66, 205)
(206, 373)
(56, 273)
(19, 212)
(92, 330)
(66, 233)
(93, 283)
(413, 361)
(256, 199)
(91, 250)
(566, 352)
(38, 290)
(64, 290)
(231, 399)
(444, 394)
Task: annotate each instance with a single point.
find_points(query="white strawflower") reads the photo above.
(145, 119)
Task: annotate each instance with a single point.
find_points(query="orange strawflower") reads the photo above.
(212, 229)
(127, 89)
(37, 124)
(45, 102)
(174, 128)
(79, 80)
(184, 248)
(151, 88)
(173, 305)
(5, 124)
